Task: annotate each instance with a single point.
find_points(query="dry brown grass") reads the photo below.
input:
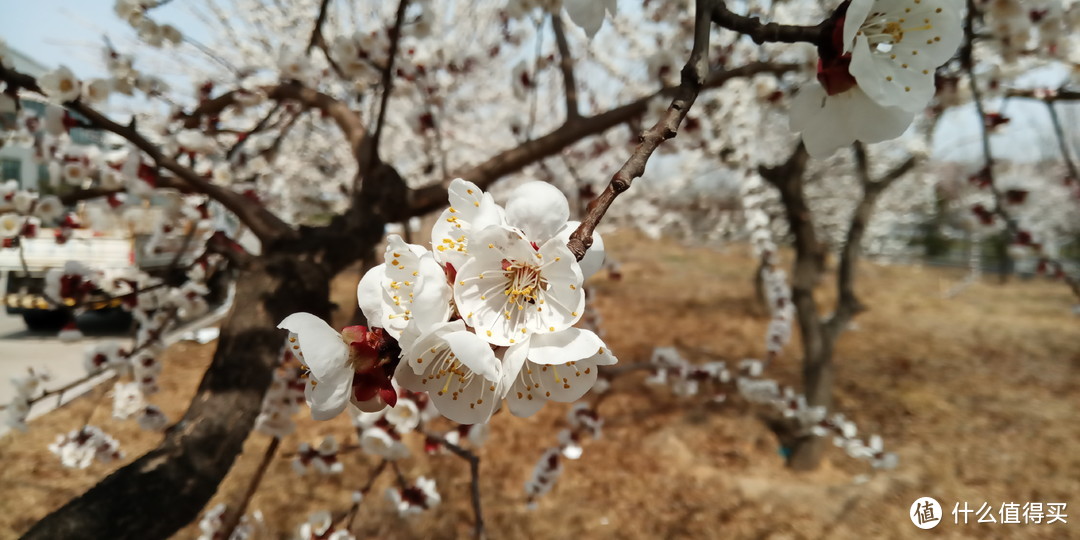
(976, 394)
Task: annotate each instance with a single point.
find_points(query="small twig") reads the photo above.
(316, 33)
(693, 77)
(100, 395)
(474, 471)
(183, 248)
(350, 516)
(270, 153)
(535, 87)
(770, 32)
(399, 477)
(387, 80)
(232, 518)
(566, 65)
(1059, 132)
(258, 127)
(59, 391)
(212, 55)
(319, 40)
(1011, 226)
(1059, 95)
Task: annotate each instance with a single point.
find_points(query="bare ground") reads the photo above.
(976, 394)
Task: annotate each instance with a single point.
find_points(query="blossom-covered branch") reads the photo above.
(262, 222)
(771, 32)
(430, 198)
(693, 78)
(987, 174)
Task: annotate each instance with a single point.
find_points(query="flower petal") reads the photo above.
(423, 350)
(431, 302)
(890, 83)
(324, 352)
(806, 106)
(407, 378)
(540, 209)
(369, 294)
(857, 12)
(470, 210)
(513, 359)
(328, 397)
(464, 196)
(406, 276)
(567, 383)
(569, 345)
(526, 396)
(475, 353)
(932, 36)
(887, 122)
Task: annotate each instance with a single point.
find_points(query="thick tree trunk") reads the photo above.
(166, 488)
(818, 376)
(817, 341)
(819, 336)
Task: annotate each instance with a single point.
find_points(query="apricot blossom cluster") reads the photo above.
(488, 313)
(876, 72)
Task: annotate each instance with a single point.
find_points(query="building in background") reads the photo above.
(17, 162)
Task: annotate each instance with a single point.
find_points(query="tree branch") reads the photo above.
(433, 197)
(387, 82)
(566, 65)
(693, 79)
(1049, 97)
(171, 484)
(847, 303)
(258, 127)
(267, 226)
(262, 222)
(474, 471)
(318, 40)
(1059, 132)
(316, 33)
(235, 514)
(1013, 228)
(771, 32)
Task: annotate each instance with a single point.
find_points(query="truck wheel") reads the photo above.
(41, 320)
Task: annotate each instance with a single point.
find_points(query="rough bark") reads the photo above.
(819, 335)
(166, 488)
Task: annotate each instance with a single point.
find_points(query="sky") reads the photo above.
(70, 32)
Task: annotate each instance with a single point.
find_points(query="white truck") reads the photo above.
(123, 246)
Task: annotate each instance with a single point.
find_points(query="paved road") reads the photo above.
(21, 349)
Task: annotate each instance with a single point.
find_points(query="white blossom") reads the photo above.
(408, 291)
(60, 84)
(128, 400)
(380, 442)
(457, 369)
(589, 14)
(333, 360)
(895, 47)
(10, 225)
(416, 498)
